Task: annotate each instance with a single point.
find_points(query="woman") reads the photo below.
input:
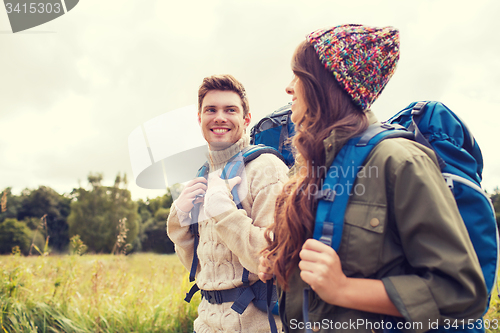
(405, 253)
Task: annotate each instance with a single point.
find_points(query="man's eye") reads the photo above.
(231, 110)
(210, 110)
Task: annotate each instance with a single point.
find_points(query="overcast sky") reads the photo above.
(73, 89)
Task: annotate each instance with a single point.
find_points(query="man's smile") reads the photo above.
(220, 130)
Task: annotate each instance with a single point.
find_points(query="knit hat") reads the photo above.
(362, 59)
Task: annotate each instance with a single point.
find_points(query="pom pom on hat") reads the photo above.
(362, 59)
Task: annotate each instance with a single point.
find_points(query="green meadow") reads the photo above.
(105, 293)
(493, 315)
(95, 293)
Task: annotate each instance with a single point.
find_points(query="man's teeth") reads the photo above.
(220, 130)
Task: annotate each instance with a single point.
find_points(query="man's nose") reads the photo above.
(220, 117)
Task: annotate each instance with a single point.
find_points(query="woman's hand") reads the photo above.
(320, 267)
(265, 267)
(196, 187)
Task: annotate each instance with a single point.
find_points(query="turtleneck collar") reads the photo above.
(218, 158)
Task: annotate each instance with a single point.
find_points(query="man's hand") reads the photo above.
(218, 196)
(215, 181)
(196, 187)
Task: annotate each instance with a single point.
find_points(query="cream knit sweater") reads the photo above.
(230, 238)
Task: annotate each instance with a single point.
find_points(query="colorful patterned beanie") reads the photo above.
(362, 59)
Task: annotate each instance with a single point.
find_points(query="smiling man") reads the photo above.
(230, 239)
(223, 116)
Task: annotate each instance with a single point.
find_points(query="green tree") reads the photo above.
(12, 204)
(495, 198)
(154, 214)
(14, 233)
(95, 213)
(56, 207)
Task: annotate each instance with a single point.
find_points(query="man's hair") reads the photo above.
(224, 82)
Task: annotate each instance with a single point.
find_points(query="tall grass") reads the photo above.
(493, 314)
(95, 293)
(105, 293)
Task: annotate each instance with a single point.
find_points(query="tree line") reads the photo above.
(99, 217)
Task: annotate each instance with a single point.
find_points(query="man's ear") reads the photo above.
(199, 118)
(247, 119)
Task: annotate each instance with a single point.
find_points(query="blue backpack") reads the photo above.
(273, 130)
(263, 296)
(461, 164)
(435, 126)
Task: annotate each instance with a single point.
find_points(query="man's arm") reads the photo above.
(181, 235)
(179, 220)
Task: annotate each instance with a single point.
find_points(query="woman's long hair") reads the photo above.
(328, 108)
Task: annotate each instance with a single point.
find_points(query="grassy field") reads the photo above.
(103, 293)
(494, 312)
(95, 293)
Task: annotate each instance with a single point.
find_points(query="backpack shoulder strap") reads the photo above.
(340, 178)
(235, 166)
(417, 113)
(203, 170)
(193, 227)
(338, 186)
(253, 151)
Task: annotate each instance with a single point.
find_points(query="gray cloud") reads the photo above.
(70, 99)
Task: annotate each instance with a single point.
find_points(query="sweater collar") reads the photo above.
(218, 158)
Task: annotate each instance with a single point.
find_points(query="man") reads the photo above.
(230, 239)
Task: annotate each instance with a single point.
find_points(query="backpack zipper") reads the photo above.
(450, 178)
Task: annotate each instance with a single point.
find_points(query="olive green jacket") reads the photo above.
(402, 226)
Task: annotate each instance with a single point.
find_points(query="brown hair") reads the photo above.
(328, 108)
(223, 82)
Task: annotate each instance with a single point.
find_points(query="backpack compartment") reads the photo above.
(274, 130)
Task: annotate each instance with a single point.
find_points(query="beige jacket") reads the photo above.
(402, 227)
(231, 240)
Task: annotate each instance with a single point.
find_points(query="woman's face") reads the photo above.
(299, 107)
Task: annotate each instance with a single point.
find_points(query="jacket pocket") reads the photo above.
(362, 238)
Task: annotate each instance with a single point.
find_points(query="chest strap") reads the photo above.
(262, 295)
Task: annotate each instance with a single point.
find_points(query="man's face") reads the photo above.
(221, 118)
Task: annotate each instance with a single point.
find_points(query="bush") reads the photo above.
(14, 233)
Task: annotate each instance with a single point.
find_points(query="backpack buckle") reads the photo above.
(327, 195)
(449, 182)
(418, 108)
(212, 296)
(387, 126)
(284, 119)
